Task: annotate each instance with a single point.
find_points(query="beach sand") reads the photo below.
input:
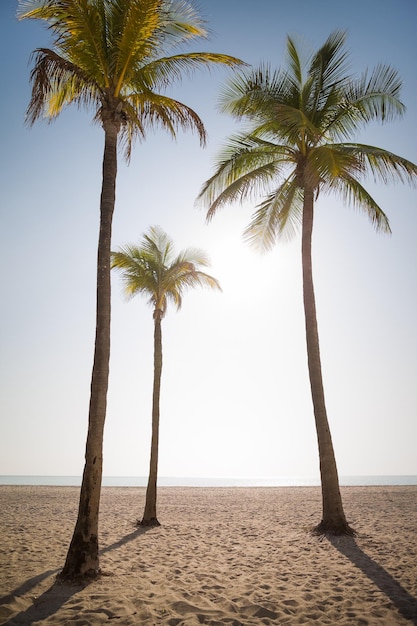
(222, 556)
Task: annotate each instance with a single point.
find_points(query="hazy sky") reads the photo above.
(235, 390)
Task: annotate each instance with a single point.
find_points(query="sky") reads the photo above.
(235, 398)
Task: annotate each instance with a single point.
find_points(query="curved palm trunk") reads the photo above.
(83, 559)
(149, 515)
(333, 520)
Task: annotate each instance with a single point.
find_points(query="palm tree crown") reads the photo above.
(111, 54)
(154, 270)
(300, 118)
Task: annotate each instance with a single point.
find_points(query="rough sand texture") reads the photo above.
(223, 556)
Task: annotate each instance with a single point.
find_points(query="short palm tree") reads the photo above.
(297, 145)
(152, 269)
(115, 57)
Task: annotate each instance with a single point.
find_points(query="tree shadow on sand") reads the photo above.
(49, 602)
(141, 530)
(27, 586)
(405, 603)
(45, 605)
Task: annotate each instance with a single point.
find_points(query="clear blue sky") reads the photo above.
(235, 390)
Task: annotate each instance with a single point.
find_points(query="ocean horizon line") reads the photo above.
(192, 481)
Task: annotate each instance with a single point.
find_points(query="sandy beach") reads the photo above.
(233, 556)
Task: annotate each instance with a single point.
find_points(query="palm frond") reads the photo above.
(159, 246)
(363, 100)
(382, 164)
(279, 215)
(331, 161)
(328, 67)
(295, 64)
(133, 35)
(134, 127)
(246, 166)
(57, 82)
(196, 256)
(183, 274)
(51, 11)
(242, 188)
(290, 125)
(162, 72)
(153, 110)
(181, 22)
(253, 91)
(355, 195)
(77, 29)
(377, 97)
(135, 270)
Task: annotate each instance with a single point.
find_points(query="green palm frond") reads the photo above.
(276, 107)
(134, 128)
(251, 92)
(377, 97)
(180, 23)
(296, 66)
(133, 37)
(354, 194)
(161, 72)
(242, 188)
(136, 270)
(158, 246)
(329, 66)
(332, 161)
(279, 215)
(152, 269)
(183, 274)
(382, 164)
(77, 27)
(150, 110)
(291, 126)
(58, 82)
(196, 256)
(364, 100)
(247, 165)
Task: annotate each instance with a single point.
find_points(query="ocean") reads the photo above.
(163, 481)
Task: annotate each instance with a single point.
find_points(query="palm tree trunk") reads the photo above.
(333, 520)
(149, 516)
(83, 558)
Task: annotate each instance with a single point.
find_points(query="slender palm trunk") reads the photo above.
(333, 520)
(83, 555)
(149, 516)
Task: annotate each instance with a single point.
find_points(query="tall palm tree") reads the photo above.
(300, 119)
(112, 56)
(153, 269)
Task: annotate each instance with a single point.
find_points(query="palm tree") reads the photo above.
(295, 147)
(111, 56)
(152, 269)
